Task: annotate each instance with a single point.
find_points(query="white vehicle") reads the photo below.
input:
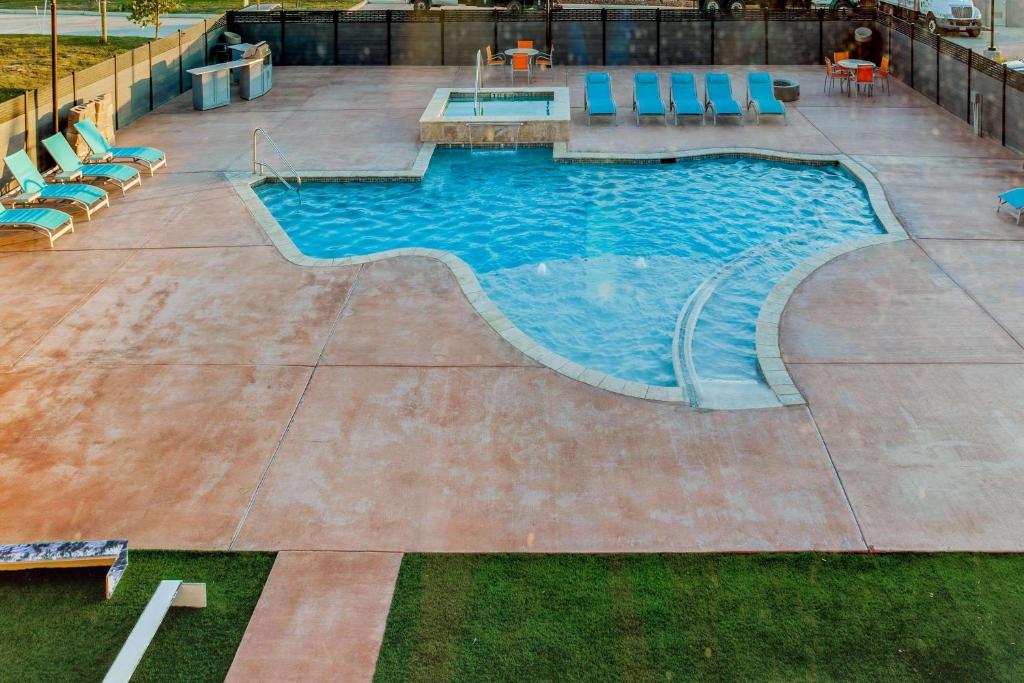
(938, 15)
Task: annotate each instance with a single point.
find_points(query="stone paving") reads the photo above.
(167, 377)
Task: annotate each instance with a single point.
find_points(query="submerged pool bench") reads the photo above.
(211, 85)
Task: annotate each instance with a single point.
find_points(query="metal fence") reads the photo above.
(640, 36)
(137, 81)
(974, 88)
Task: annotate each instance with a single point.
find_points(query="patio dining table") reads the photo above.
(851, 66)
(528, 51)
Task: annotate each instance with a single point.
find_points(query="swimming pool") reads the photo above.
(526, 104)
(603, 263)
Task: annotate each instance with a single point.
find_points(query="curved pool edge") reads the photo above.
(767, 327)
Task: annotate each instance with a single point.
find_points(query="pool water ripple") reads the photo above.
(595, 261)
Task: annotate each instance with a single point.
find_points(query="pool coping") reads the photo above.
(766, 339)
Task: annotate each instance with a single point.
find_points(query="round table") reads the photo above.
(851, 66)
(528, 51)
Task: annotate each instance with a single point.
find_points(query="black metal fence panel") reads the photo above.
(901, 56)
(926, 71)
(991, 90)
(954, 91)
(631, 37)
(740, 42)
(363, 38)
(1015, 116)
(261, 26)
(685, 41)
(509, 33)
(579, 36)
(793, 42)
(462, 39)
(417, 39)
(308, 38)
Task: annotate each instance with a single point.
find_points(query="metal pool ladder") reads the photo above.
(258, 165)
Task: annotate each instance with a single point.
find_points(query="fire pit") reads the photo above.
(786, 89)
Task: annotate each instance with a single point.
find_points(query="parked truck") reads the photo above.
(936, 15)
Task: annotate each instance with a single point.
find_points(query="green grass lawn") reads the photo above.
(813, 617)
(55, 624)
(25, 59)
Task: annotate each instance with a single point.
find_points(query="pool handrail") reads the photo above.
(258, 165)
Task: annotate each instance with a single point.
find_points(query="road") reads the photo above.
(88, 23)
(1009, 41)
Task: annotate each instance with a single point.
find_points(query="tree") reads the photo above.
(147, 12)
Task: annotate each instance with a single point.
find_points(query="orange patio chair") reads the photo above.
(493, 59)
(832, 74)
(528, 44)
(838, 57)
(882, 74)
(865, 77)
(545, 60)
(521, 65)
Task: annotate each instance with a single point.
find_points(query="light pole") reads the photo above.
(992, 26)
(53, 65)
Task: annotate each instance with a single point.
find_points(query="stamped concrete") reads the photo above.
(321, 617)
(164, 456)
(486, 460)
(930, 454)
(889, 303)
(170, 378)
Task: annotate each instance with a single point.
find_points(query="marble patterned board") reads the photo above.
(69, 553)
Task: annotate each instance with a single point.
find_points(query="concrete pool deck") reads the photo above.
(167, 377)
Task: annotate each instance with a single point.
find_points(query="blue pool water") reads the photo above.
(595, 261)
(526, 105)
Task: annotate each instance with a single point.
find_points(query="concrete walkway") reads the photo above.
(169, 378)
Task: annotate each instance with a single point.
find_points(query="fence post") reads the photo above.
(1002, 112)
(117, 105)
(764, 16)
(284, 51)
(30, 149)
(206, 43)
(387, 14)
(821, 36)
(712, 58)
(547, 30)
(657, 36)
(74, 88)
(970, 60)
(149, 46)
(181, 67)
(604, 36)
(336, 61)
(938, 72)
(913, 30)
(441, 12)
(494, 20)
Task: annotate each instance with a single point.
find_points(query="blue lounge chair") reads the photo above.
(597, 96)
(50, 222)
(149, 157)
(718, 97)
(72, 167)
(647, 96)
(35, 189)
(761, 96)
(682, 97)
(1015, 200)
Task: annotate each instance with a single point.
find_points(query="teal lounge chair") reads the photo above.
(1015, 200)
(597, 96)
(35, 189)
(761, 96)
(149, 157)
(72, 167)
(682, 97)
(50, 222)
(647, 96)
(718, 97)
